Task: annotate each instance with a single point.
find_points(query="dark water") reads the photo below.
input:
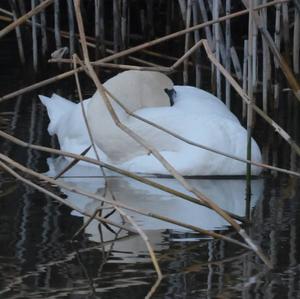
(39, 259)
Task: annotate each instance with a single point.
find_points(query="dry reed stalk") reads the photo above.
(216, 31)
(22, 7)
(117, 66)
(74, 162)
(132, 58)
(143, 23)
(107, 50)
(116, 20)
(71, 164)
(296, 69)
(236, 64)
(125, 22)
(39, 84)
(146, 240)
(296, 42)
(210, 4)
(71, 27)
(165, 56)
(100, 30)
(25, 17)
(186, 42)
(207, 29)
(154, 288)
(182, 6)
(34, 38)
(197, 39)
(254, 53)
(227, 59)
(277, 44)
(213, 48)
(8, 13)
(266, 64)
(6, 19)
(153, 150)
(138, 60)
(222, 40)
(57, 24)
(87, 223)
(297, 5)
(43, 31)
(286, 31)
(254, 65)
(75, 60)
(290, 104)
(132, 50)
(245, 76)
(97, 29)
(251, 61)
(13, 6)
(116, 204)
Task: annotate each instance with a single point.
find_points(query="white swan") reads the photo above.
(195, 115)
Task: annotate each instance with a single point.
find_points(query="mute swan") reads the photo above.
(195, 114)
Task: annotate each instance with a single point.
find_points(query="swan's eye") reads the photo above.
(171, 93)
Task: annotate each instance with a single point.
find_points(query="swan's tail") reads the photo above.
(57, 107)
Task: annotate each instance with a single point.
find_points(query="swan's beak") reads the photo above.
(171, 93)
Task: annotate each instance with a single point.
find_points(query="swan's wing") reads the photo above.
(217, 133)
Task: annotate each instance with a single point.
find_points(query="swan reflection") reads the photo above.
(228, 194)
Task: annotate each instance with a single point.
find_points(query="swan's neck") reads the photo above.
(107, 135)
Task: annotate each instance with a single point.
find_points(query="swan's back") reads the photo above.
(197, 101)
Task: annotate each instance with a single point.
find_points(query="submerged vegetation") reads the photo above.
(245, 52)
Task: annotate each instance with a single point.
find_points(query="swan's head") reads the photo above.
(139, 89)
